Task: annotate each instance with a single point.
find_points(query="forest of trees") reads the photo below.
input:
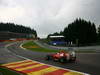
(98, 36)
(11, 27)
(80, 32)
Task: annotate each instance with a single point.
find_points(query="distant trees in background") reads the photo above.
(81, 32)
(98, 34)
(54, 34)
(11, 27)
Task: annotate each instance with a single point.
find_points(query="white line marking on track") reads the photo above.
(22, 44)
(22, 47)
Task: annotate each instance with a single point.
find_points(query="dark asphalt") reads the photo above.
(88, 63)
(7, 56)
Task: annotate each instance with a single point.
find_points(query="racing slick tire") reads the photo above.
(73, 60)
(62, 60)
(48, 57)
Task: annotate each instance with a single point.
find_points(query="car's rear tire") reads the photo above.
(62, 60)
(73, 60)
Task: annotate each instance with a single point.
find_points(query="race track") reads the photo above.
(88, 63)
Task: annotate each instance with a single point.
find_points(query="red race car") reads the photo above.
(62, 56)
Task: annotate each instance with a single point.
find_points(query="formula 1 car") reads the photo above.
(62, 56)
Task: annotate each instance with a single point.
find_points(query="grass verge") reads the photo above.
(4, 71)
(34, 47)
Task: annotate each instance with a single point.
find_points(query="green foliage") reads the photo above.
(5, 71)
(81, 30)
(99, 34)
(11, 27)
(55, 34)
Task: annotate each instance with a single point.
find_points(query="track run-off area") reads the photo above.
(86, 62)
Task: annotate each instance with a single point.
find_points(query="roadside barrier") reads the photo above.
(20, 39)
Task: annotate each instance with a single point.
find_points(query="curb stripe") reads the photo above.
(25, 66)
(43, 71)
(72, 73)
(31, 67)
(19, 65)
(57, 72)
(16, 63)
(36, 69)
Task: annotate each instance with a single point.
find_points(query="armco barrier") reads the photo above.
(20, 39)
(29, 67)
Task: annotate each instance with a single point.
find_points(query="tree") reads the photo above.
(11, 27)
(81, 30)
(55, 34)
(99, 33)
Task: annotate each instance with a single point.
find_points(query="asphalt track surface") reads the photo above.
(88, 62)
(6, 56)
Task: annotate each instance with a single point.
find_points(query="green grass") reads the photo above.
(39, 49)
(5, 71)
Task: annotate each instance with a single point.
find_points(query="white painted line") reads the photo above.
(22, 47)
(44, 63)
(10, 44)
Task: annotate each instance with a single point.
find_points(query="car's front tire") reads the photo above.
(48, 57)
